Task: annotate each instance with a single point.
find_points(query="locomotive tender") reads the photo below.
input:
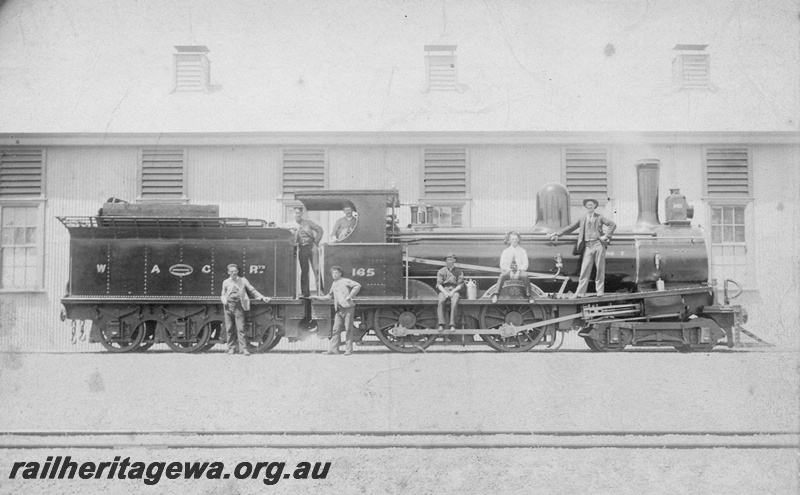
(144, 274)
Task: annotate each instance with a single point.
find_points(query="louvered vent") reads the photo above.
(691, 67)
(441, 63)
(303, 169)
(727, 172)
(445, 173)
(587, 174)
(21, 173)
(192, 69)
(162, 174)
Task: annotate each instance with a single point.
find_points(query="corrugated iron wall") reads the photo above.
(503, 180)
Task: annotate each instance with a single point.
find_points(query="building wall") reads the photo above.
(503, 179)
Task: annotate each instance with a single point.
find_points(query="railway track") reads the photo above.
(26, 440)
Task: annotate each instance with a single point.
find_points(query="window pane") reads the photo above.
(19, 276)
(716, 216)
(9, 217)
(739, 233)
(19, 256)
(30, 257)
(739, 215)
(8, 258)
(444, 216)
(30, 235)
(727, 233)
(30, 217)
(8, 236)
(457, 216)
(727, 216)
(716, 234)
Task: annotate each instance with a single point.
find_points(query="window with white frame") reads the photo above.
(162, 175)
(586, 174)
(728, 243)
(445, 185)
(727, 181)
(21, 218)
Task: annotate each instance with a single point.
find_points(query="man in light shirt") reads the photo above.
(591, 244)
(236, 300)
(343, 290)
(513, 263)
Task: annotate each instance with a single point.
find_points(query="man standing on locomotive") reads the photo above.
(449, 281)
(591, 243)
(343, 290)
(305, 235)
(236, 300)
(344, 226)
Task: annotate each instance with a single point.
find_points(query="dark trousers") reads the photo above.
(506, 275)
(305, 255)
(234, 316)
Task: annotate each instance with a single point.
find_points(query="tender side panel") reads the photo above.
(178, 267)
(377, 267)
(163, 268)
(90, 266)
(127, 268)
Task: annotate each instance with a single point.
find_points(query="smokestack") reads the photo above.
(647, 175)
(552, 208)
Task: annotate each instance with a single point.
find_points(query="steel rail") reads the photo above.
(553, 433)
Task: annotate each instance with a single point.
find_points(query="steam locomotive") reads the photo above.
(146, 274)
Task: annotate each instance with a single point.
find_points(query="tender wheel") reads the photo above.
(495, 315)
(602, 344)
(194, 341)
(151, 330)
(126, 344)
(264, 342)
(410, 317)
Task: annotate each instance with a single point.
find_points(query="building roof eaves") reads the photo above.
(394, 138)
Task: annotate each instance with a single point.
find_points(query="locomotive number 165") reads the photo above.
(363, 272)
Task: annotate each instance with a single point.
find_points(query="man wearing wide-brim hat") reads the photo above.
(591, 243)
(449, 282)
